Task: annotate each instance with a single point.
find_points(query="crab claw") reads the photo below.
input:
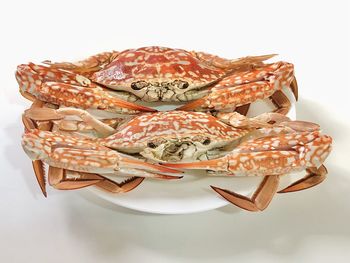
(86, 155)
(81, 97)
(271, 155)
(70, 89)
(243, 88)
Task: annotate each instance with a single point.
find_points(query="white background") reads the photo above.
(308, 226)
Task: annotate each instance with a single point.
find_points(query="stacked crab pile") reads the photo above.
(84, 122)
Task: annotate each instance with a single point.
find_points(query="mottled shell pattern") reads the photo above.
(177, 135)
(157, 72)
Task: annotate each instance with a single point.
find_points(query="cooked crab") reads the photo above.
(298, 145)
(185, 136)
(175, 135)
(160, 74)
(270, 157)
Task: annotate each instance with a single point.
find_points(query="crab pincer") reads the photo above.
(244, 87)
(66, 88)
(86, 156)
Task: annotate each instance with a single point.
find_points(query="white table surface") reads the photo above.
(310, 226)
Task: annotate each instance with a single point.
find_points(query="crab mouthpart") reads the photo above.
(159, 90)
(179, 151)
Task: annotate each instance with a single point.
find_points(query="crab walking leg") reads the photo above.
(238, 120)
(281, 101)
(69, 180)
(314, 176)
(56, 176)
(260, 199)
(123, 187)
(87, 66)
(271, 157)
(87, 124)
(244, 88)
(268, 187)
(223, 63)
(69, 89)
(39, 172)
(38, 165)
(268, 123)
(101, 127)
(46, 114)
(61, 178)
(243, 110)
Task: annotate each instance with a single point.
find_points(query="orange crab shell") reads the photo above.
(175, 125)
(158, 64)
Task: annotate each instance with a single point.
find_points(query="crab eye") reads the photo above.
(139, 85)
(206, 141)
(151, 145)
(181, 84)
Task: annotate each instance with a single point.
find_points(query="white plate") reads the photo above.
(190, 194)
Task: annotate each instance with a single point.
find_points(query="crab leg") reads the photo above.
(69, 89)
(69, 180)
(47, 114)
(39, 172)
(268, 187)
(270, 157)
(243, 109)
(313, 177)
(123, 187)
(223, 63)
(268, 123)
(58, 176)
(260, 199)
(243, 88)
(38, 165)
(240, 121)
(102, 128)
(87, 66)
